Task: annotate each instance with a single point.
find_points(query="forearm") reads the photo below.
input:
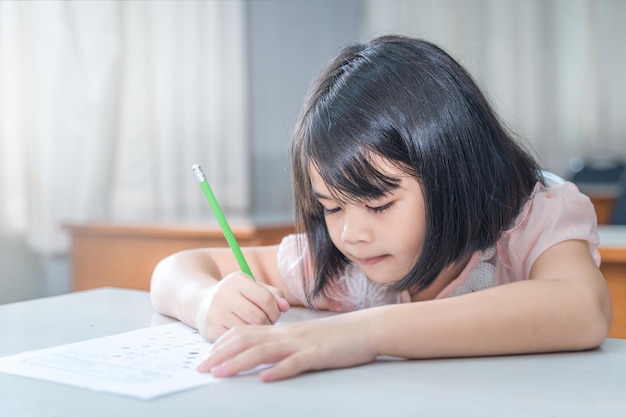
(180, 283)
(523, 317)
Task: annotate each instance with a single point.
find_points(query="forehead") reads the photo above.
(381, 164)
(317, 182)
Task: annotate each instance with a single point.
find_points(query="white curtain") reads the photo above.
(554, 69)
(104, 107)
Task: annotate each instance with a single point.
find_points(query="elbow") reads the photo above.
(604, 321)
(597, 333)
(158, 285)
(598, 319)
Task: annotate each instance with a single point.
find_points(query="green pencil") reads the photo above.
(221, 219)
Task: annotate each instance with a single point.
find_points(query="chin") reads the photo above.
(382, 279)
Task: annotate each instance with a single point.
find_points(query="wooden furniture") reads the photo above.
(589, 383)
(124, 255)
(603, 198)
(118, 255)
(613, 252)
(604, 208)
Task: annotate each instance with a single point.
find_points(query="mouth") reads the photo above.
(372, 260)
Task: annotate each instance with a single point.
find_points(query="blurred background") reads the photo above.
(104, 106)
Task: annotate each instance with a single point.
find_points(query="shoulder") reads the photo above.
(291, 258)
(559, 208)
(552, 215)
(292, 255)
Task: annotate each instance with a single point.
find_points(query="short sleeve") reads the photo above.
(291, 262)
(551, 216)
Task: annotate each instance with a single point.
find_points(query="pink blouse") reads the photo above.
(552, 215)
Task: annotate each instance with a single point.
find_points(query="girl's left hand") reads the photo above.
(331, 342)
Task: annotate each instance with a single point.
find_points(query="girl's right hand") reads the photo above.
(238, 300)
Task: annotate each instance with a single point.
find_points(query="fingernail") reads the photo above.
(219, 370)
(202, 367)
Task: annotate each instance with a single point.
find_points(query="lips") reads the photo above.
(371, 261)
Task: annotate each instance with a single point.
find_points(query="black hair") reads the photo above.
(408, 101)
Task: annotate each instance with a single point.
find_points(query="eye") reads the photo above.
(380, 209)
(328, 211)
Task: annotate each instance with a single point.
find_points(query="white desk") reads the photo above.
(585, 384)
(612, 236)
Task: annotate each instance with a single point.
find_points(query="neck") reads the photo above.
(443, 279)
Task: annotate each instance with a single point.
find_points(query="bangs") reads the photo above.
(351, 172)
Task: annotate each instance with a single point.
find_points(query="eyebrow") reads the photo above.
(321, 196)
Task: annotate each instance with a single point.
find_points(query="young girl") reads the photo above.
(420, 217)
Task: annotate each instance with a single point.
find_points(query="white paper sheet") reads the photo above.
(145, 363)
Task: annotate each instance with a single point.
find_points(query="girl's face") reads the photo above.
(384, 237)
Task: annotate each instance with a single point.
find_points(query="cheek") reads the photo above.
(417, 244)
(412, 237)
(334, 228)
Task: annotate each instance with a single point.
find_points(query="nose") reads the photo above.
(356, 227)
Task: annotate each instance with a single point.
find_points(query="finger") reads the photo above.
(214, 331)
(265, 300)
(283, 304)
(276, 292)
(235, 320)
(244, 313)
(225, 347)
(232, 344)
(287, 368)
(251, 302)
(251, 313)
(253, 357)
